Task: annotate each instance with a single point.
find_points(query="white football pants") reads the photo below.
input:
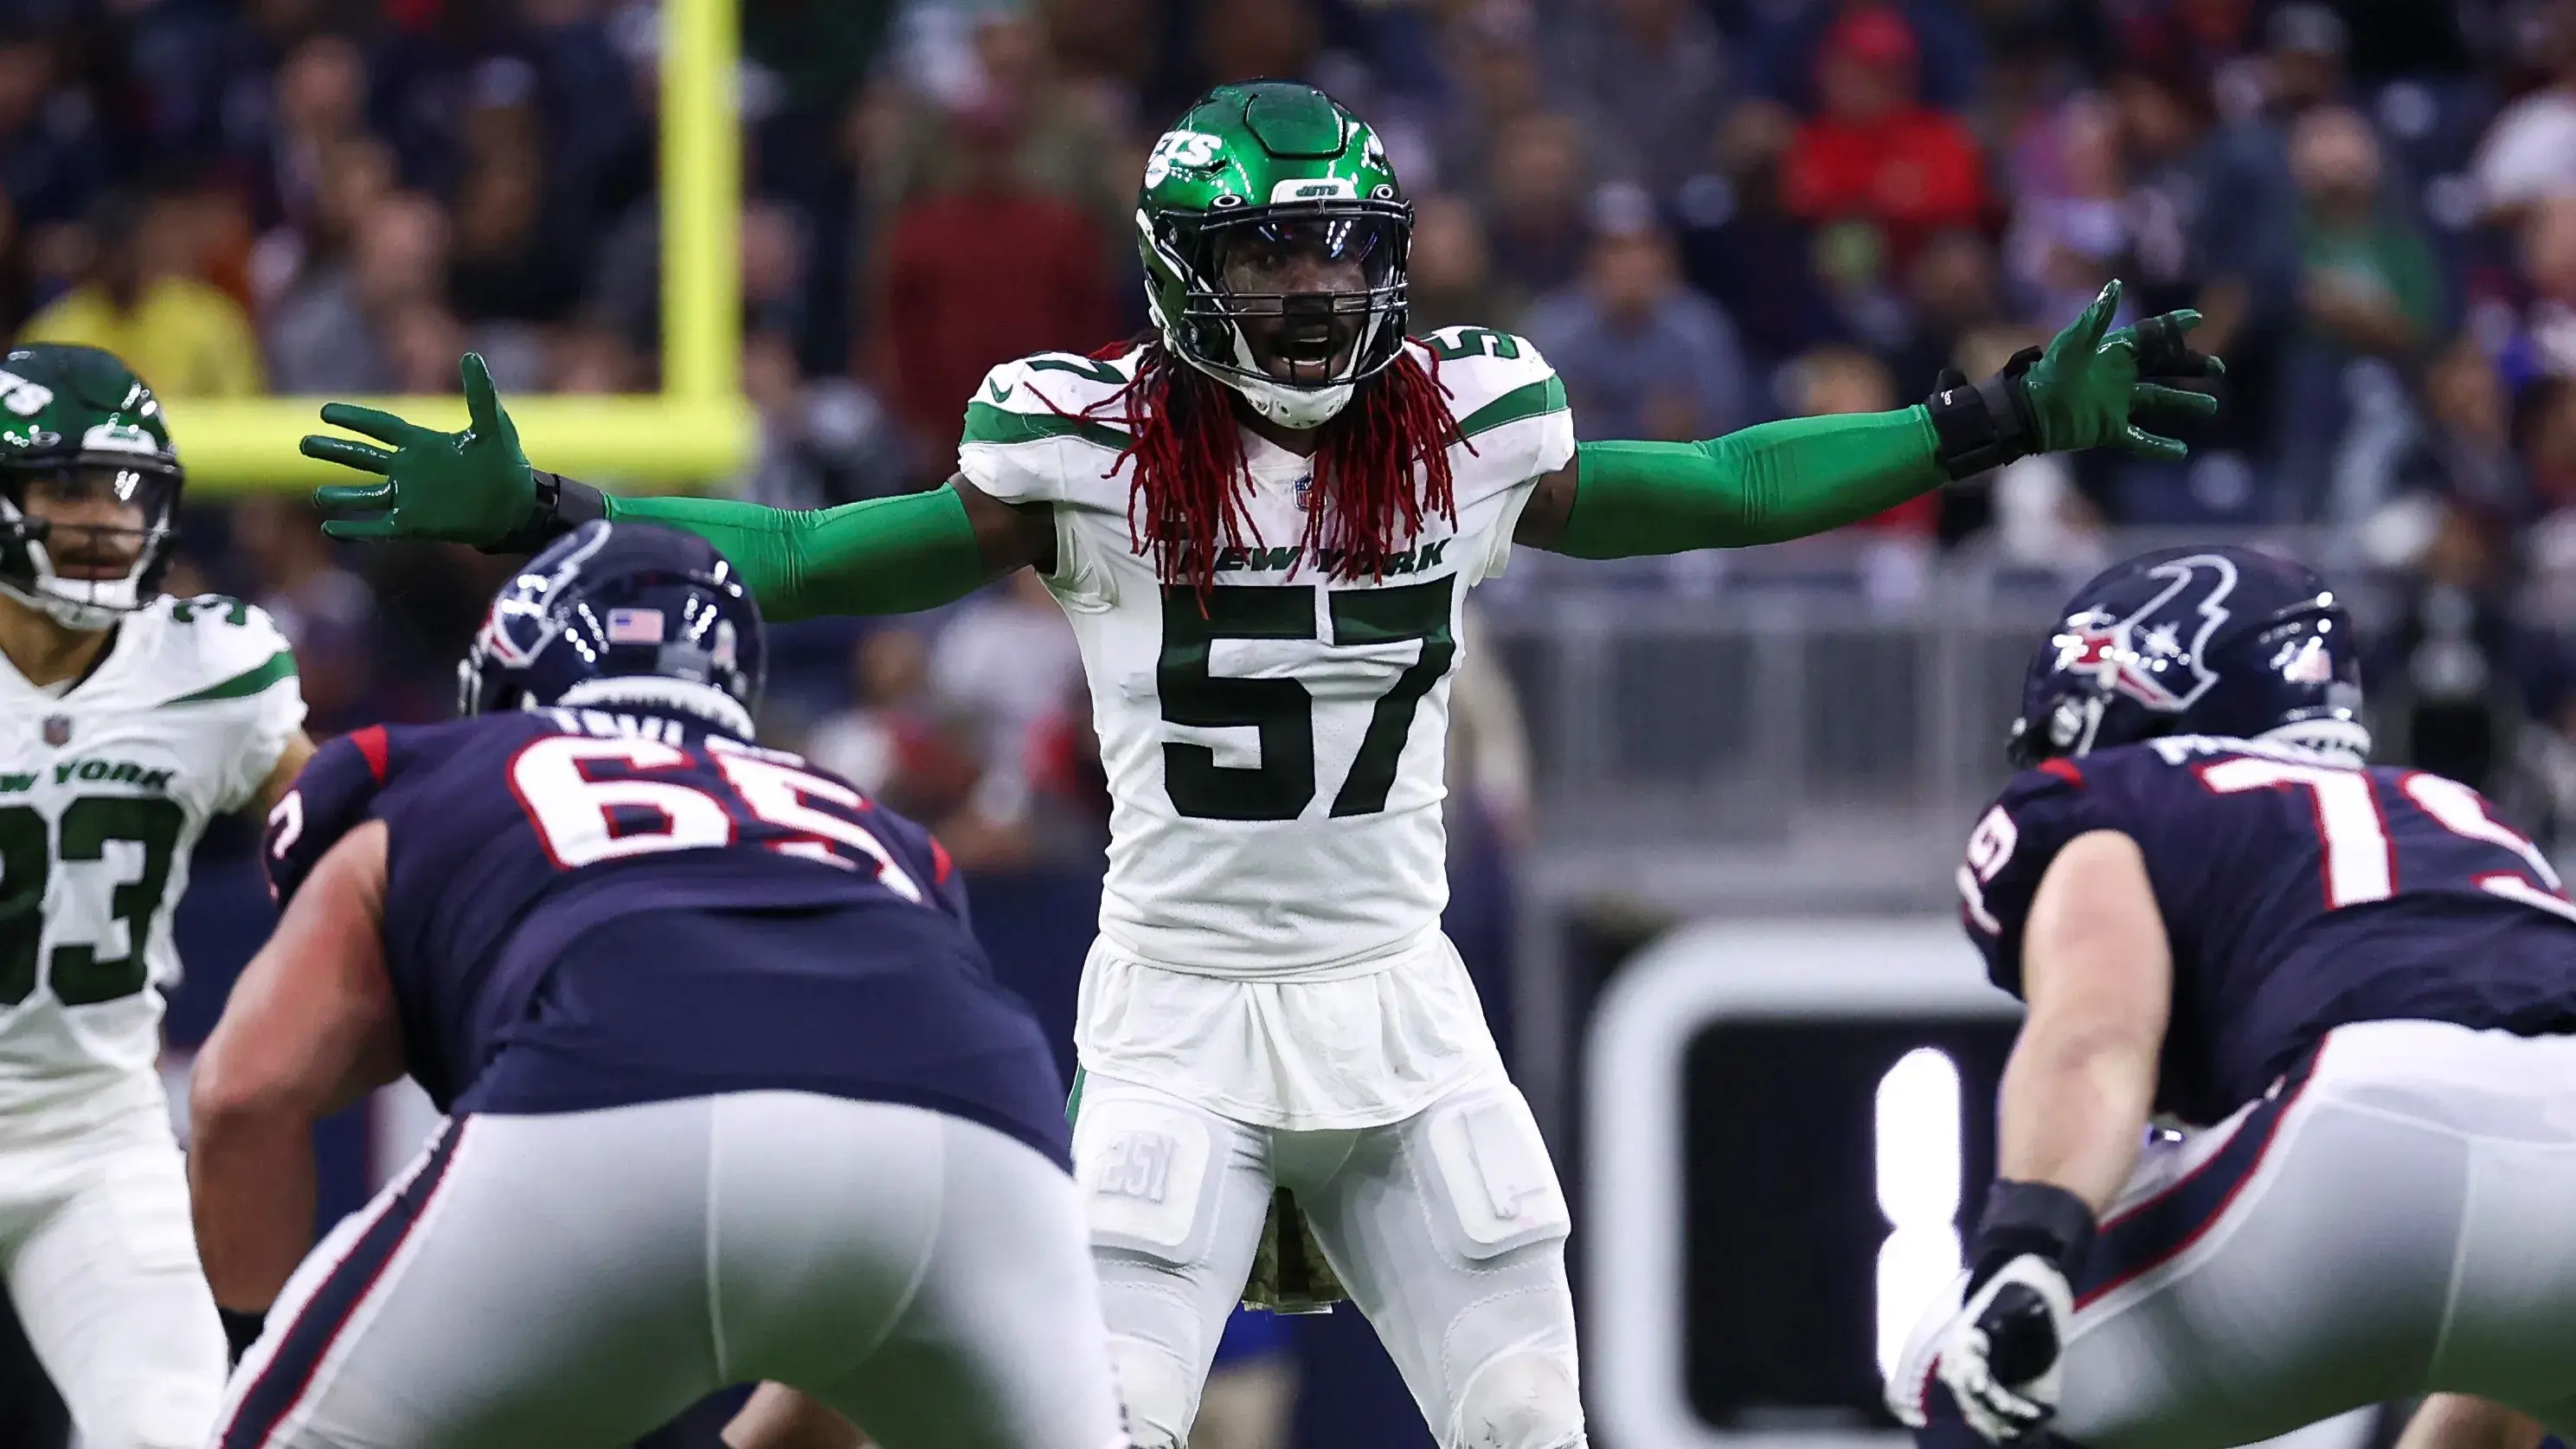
(567, 1281)
(2400, 1218)
(101, 1263)
(1447, 1228)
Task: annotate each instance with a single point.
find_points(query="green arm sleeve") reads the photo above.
(883, 556)
(1758, 485)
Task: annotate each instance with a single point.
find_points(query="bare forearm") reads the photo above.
(2456, 1421)
(2075, 1107)
(250, 1181)
(778, 1417)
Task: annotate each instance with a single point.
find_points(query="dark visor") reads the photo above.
(149, 488)
(1268, 255)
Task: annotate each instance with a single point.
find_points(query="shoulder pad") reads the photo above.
(1042, 423)
(1509, 403)
(335, 794)
(2009, 853)
(218, 648)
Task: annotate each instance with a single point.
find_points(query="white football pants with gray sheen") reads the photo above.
(1447, 1228)
(2401, 1220)
(549, 1282)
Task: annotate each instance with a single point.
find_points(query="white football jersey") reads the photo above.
(1275, 752)
(104, 791)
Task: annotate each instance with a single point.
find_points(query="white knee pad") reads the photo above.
(1160, 1393)
(1523, 1400)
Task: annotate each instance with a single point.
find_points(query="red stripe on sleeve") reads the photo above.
(371, 743)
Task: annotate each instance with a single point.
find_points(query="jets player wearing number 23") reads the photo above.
(127, 720)
(2351, 988)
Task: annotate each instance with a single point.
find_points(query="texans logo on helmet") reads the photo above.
(524, 602)
(2144, 655)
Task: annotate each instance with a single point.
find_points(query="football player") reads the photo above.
(1262, 521)
(127, 720)
(732, 1093)
(2353, 984)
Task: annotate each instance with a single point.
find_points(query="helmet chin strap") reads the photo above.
(1293, 407)
(105, 601)
(1287, 404)
(87, 616)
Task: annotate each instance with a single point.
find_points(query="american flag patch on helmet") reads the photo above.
(634, 626)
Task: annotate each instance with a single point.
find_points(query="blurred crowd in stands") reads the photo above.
(1705, 212)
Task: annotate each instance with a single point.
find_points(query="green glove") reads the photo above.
(473, 487)
(2086, 389)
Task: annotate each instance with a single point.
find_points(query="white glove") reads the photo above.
(1999, 1355)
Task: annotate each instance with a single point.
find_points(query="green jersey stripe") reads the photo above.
(986, 423)
(280, 665)
(1530, 400)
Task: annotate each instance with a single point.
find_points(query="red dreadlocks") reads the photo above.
(1186, 501)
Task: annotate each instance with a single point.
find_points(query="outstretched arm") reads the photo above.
(883, 556)
(1762, 484)
(1789, 479)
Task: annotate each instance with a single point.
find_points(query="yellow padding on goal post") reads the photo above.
(697, 430)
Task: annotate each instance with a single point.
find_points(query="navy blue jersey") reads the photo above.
(585, 909)
(2297, 896)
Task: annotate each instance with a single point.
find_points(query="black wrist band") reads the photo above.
(241, 1330)
(574, 502)
(559, 506)
(2031, 1218)
(1986, 425)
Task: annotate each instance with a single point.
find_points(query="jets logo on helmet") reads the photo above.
(2209, 641)
(22, 397)
(1192, 150)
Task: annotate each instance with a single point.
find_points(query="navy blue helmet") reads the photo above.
(629, 614)
(2194, 641)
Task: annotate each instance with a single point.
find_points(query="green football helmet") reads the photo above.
(1274, 239)
(79, 431)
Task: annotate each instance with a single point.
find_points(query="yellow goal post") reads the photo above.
(698, 429)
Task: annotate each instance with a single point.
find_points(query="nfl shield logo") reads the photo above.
(58, 730)
(1306, 494)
